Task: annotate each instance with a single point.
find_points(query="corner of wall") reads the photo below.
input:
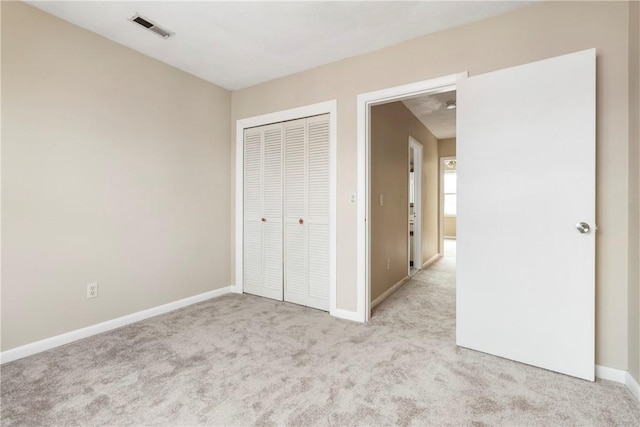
(633, 301)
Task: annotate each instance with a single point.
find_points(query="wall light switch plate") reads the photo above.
(382, 200)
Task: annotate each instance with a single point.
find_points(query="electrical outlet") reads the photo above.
(382, 200)
(389, 264)
(92, 290)
(352, 199)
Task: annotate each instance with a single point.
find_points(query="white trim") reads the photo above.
(333, 207)
(416, 146)
(611, 374)
(389, 291)
(328, 107)
(364, 103)
(345, 314)
(431, 261)
(619, 376)
(78, 334)
(441, 214)
(632, 385)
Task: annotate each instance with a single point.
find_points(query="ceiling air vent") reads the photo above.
(151, 26)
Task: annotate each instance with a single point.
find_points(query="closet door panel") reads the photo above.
(272, 270)
(295, 268)
(252, 174)
(295, 284)
(318, 212)
(294, 169)
(318, 168)
(272, 175)
(318, 265)
(252, 241)
(272, 212)
(253, 258)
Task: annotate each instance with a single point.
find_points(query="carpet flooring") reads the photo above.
(244, 360)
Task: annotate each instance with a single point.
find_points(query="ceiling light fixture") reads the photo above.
(451, 105)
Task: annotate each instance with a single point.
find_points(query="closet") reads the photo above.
(286, 211)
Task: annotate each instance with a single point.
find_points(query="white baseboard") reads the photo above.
(78, 334)
(346, 314)
(619, 376)
(632, 385)
(611, 374)
(431, 261)
(389, 291)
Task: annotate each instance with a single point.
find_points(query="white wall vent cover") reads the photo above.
(151, 26)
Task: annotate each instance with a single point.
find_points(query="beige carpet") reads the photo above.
(243, 360)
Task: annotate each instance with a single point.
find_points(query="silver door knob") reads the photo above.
(583, 227)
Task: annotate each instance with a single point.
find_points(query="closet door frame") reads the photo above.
(328, 107)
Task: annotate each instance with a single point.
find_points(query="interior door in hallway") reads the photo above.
(526, 213)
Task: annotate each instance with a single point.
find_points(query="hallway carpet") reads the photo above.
(244, 360)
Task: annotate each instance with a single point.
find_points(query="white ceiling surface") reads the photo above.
(431, 111)
(239, 44)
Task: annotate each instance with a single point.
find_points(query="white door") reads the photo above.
(295, 202)
(306, 212)
(263, 211)
(317, 219)
(415, 198)
(526, 178)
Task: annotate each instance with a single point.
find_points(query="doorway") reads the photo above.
(504, 305)
(364, 197)
(415, 206)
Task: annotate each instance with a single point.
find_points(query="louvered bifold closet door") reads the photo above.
(306, 204)
(295, 248)
(317, 219)
(252, 244)
(272, 204)
(263, 211)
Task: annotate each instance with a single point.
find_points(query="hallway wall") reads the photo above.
(391, 125)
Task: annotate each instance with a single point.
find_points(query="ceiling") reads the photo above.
(240, 44)
(431, 111)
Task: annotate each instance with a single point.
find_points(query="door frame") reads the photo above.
(441, 197)
(363, 193)
(328, 107)
(415, 145)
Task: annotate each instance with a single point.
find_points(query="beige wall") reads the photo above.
(635, 117)
(449, 226)
(447, 147)
(115, 169)
(634, 191)
(391, 126)
(541, 31)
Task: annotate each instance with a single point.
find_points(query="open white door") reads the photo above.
(526, 180)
